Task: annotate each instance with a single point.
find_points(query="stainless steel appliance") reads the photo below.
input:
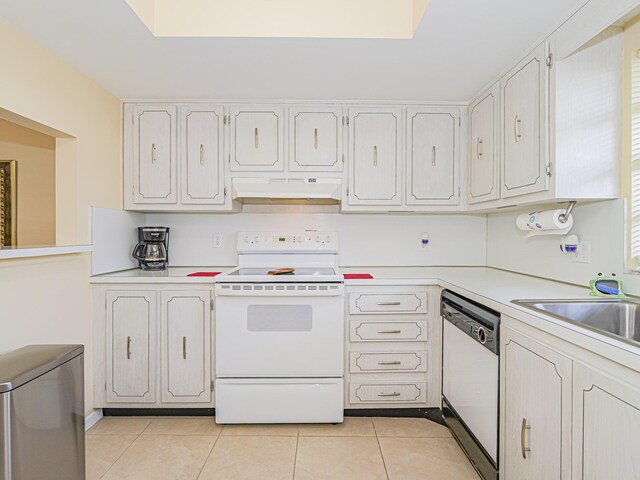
(470, 379)
(152, 250)
(42, 413)
(279, 331)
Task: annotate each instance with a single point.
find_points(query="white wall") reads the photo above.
(601, 223)
(365, 240)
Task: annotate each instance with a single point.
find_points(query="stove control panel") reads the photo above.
(310, 240)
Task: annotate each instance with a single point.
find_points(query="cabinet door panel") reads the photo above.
(375, 151)
(537, 386)
(315, 139)
(186, 345)
(606, 426)
(131, 346)
(202, 152)
(257, 138)
(432, 151)
(524, 96)
(154, 154)
(484, 161)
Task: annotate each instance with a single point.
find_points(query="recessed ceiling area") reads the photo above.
(281, 18)
(458, 47)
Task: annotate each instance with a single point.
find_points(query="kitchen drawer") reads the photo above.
(363, 362)
(388, 331)
(411, 392)
(382, 303)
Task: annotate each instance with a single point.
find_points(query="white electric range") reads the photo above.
(279, 338)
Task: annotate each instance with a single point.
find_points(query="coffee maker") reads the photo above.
(152, 250)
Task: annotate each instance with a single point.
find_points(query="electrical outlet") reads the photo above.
(217, 240)
(583, 255)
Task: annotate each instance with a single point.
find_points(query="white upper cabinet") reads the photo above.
(256, 138)
(154, 154)
(202, 161)
(524, 119)
(375, 156)
(315, 139)
(432, 156)
(484, 159)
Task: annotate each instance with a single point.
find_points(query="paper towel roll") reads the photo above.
(544, 223)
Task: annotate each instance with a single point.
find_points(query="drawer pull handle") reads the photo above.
(128, 348)
(523, 429)
(389, 331)
(391, 394)
(389, 362)
(388, 304)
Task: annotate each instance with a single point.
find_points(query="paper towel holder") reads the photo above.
(564, 218)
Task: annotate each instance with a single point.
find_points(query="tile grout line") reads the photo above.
(124, 451)
(384, 463)
(295, 456)
(209, 454)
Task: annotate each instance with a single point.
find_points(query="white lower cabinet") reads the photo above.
(393, 354)
(186, 349)
(566, 412)
(606, 426)
(537, 403)
(130, 346)
(152, 346)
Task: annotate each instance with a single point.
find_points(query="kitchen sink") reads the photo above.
(617, 318)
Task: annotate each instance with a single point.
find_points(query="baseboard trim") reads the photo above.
(93, 418)
(159, 412)
(433, 414)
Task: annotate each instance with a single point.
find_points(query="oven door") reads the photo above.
(279, 331)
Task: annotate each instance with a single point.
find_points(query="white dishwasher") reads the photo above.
(470, 379)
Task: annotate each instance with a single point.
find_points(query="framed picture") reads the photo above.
(8, 204)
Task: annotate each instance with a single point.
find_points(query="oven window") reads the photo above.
(279, 318)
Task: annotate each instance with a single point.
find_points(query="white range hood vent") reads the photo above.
(287, 190)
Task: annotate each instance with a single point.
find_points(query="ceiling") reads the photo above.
(459, 46)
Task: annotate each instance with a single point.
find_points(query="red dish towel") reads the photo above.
(204, 274)
(357, 276)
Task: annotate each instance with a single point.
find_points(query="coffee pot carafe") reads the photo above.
(152, 249)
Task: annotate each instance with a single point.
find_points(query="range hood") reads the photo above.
(287, 190)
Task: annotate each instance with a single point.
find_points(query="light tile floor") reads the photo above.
(190, 448)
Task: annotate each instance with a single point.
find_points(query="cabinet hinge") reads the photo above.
(212, 304)
(550, 60)
(549, 170)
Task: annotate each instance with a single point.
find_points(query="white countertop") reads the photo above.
(171, 275)
(491, 287)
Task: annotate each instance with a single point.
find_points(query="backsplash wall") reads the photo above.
(365, 240)
(600, 223)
